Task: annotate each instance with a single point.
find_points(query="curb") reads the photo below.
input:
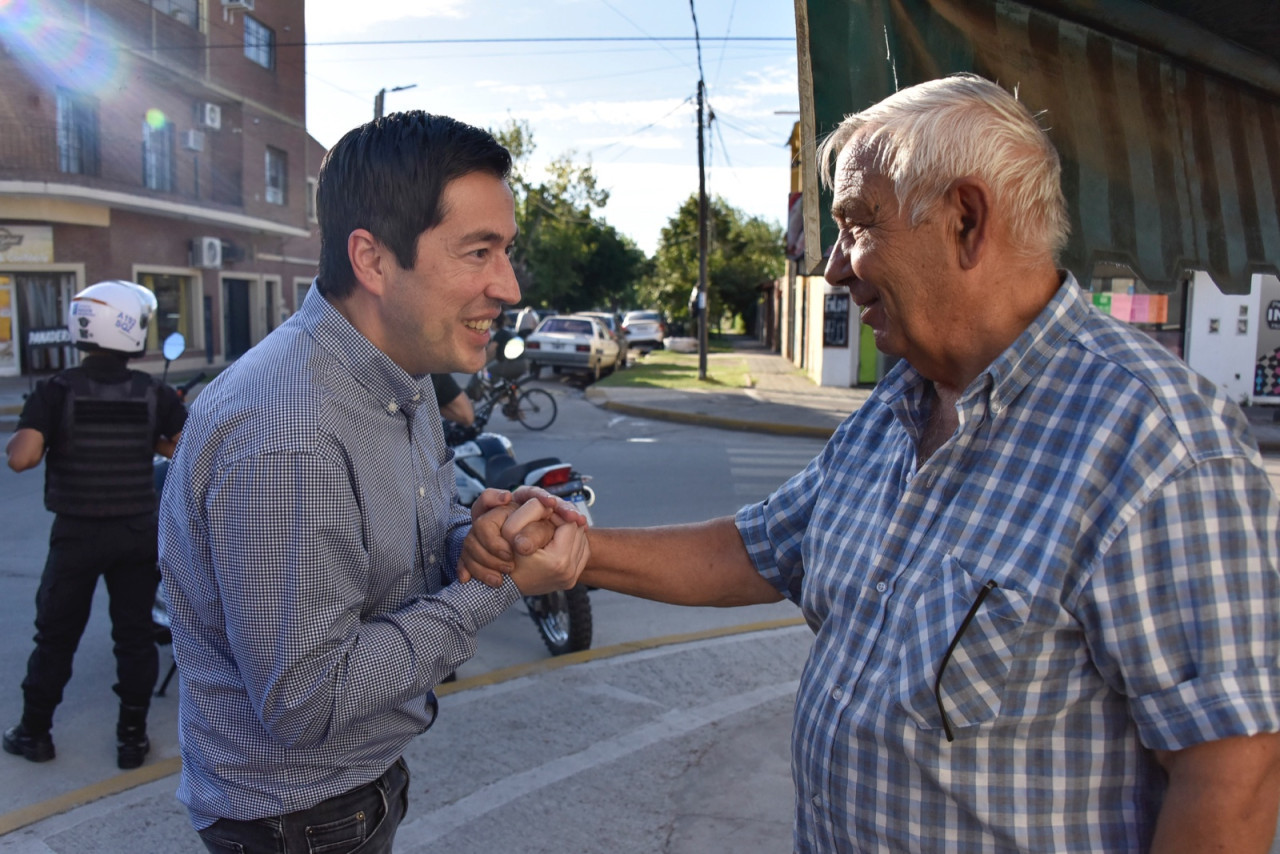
(699, 419)
(718, 421)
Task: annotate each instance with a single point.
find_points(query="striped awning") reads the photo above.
(1169, 134)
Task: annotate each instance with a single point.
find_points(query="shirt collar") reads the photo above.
(387, 382)
(1005, 378)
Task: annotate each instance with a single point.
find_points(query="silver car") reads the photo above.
(572, 342)
(645, 330)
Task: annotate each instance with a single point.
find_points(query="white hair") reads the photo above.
(928, 135)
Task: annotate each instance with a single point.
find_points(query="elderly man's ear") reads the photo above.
(970, 202)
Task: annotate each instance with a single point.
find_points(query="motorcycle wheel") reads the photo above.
(563, 619)
(536, 409)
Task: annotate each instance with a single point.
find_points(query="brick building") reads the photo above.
(160, 141)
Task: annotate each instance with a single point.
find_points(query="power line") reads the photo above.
(638, 27)
(728, 27)
(239, 45)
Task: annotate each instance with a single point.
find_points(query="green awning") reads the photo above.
(1168, 125)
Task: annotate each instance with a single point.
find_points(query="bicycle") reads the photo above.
(535, 408)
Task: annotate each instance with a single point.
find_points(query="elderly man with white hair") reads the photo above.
(1040, 561)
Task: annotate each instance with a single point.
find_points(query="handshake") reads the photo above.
(538, 540)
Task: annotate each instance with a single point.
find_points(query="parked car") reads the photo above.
(645, 330)
(572, 342)
(613, 323)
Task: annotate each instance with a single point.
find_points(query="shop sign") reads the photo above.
(835, 320)
(26, 244)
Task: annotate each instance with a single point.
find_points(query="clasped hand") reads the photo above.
(537, 539)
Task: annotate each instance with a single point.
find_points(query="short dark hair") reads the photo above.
(388, 177)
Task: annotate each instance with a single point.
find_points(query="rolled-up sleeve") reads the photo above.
(1183, 610)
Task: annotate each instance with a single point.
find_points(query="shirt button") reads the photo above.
(417, 397)
(881, 587)
(817, 800)
(431, 558)
(393, 407)
(837, 693)
(422, 491)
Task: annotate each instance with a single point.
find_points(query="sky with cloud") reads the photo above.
(621, 95)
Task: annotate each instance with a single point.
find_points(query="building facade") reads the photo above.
(159, 141)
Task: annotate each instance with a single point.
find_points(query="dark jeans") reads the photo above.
(362, 820)
(123, 551)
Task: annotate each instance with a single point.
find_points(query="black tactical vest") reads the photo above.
(99, 463)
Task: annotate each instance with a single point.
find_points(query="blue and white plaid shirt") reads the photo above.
(1120, 506)
(309, 535)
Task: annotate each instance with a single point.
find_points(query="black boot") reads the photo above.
(35, 746)
(131, 736)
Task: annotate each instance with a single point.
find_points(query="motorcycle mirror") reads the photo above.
(514, 348)
(173, 346)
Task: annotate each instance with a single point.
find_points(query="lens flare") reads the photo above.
(156, 118)
(51, 43)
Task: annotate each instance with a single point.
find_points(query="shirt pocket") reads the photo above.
(974, 676)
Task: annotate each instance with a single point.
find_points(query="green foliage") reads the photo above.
(569, 258)
(742, 253)
(566, 257)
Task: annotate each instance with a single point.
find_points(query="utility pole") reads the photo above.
(702, 245)
(380, 99)
(702, 211)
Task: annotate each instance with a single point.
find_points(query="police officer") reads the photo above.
(100, 424)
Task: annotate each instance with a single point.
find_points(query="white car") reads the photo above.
(572, 342)
(645, 330)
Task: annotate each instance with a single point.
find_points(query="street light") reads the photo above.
(380, 98)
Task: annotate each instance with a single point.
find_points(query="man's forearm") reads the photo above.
(700, 564)
(1222, 796)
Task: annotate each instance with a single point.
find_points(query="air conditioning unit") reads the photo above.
(206, 252)
(209, 115)
(246, 5)
(193, 140)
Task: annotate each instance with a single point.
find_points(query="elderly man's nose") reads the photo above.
(838, 267)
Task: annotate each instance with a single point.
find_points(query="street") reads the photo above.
(644, 472)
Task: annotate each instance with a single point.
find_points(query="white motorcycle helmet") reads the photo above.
(112, 316)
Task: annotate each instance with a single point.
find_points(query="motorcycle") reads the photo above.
(173, 347)
(481, 459)
(484, 460)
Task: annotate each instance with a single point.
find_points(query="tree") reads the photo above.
(565, 256)
(743, 252)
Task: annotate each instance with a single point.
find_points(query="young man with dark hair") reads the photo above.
(316, 561)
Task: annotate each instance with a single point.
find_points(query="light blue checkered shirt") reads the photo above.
(1119, 504)
(308, 536)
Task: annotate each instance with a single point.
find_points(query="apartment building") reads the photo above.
(160, 141)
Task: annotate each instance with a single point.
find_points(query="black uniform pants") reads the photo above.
(123, 550)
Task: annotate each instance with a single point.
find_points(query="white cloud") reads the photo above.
(517, 91)
(327, 19)
(768, 83)
(664, 141)
(643, 196)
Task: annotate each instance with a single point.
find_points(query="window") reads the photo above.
(157, 154)
(186, 11)
(311, 200)
(259, 42)
(77, 133)
(277, 167)
(175, 308)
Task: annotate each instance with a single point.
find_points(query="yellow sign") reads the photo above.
(29, 244)
(8, 352)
